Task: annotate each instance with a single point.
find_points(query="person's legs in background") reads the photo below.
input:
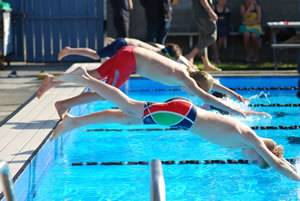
(207, 36)
(216, 52)
(298, 64)
(254, 39)
(246, 36)
(163, 31)
(121, 18)
(152, 30)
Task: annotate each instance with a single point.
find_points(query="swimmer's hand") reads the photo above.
(240, 112)
(241, 98)
(258, 113)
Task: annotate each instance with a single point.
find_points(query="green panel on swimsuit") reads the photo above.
(166, 119)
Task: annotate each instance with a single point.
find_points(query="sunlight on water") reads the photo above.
(245, 107)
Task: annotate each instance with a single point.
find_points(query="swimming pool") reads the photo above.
(51, 175)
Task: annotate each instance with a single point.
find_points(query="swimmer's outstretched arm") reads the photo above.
(206, 106)
(189, 84)
(86, 52)
(257, 113)
(280, 165)
(293, 167)
(221, 88)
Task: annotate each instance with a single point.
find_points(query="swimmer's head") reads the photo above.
(274, 148)
(172, 50)
(252, 155)
(203, 79)
(220, 95)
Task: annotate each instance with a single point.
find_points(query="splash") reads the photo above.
(261, 95)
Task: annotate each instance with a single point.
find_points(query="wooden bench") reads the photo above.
(188, 34)
(283, 46)
(293, 42)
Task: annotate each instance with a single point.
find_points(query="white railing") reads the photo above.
(6, 181)
(158, 189)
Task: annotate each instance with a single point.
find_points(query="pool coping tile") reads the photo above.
(23, 133)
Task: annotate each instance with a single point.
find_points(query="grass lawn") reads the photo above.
(243, 66)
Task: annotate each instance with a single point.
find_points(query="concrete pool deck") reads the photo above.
(23, 133)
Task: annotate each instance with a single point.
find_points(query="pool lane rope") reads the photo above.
(239, 88)
(275, 105)
(262, 105)
(172, 162)
(293, 127)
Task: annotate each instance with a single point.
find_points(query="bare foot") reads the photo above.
(61, 108)
(71, 76)
(47, 84)
(211, 68)
(63, 53)
(63, 127)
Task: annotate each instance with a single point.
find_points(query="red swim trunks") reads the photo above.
(118, 68)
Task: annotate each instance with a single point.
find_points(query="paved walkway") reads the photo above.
(23, 132)
(14, 92)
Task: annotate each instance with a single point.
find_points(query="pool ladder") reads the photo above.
(7, 183)
(158, 189)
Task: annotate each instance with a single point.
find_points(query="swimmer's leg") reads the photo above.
(64, 105)
(70, 122)
(86, 52)
(111, 93)
(64, 52)
(47, 84)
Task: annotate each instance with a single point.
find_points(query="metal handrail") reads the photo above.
(7, 183)
(158, 189)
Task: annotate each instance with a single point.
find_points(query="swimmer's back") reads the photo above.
(157, 67)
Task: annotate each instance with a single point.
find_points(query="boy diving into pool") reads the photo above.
(177, 112)
(151, 65)
(170, 50)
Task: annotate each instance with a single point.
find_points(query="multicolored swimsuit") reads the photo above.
(176, 112)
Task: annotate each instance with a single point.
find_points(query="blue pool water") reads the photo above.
(61, 181)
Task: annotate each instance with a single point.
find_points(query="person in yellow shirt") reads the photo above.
(251, 28)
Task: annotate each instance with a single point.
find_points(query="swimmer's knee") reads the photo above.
(94, 73)
(128, 120)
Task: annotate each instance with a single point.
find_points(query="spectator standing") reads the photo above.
(158, 16)
(121, 9)
(251, 28)
(206, 19)
(223, 27)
